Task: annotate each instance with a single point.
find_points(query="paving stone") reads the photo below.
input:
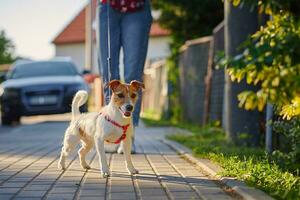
(59, 190)
(184, 195)
(151, 197)
(14, 184)
(93, 186)
(177, 187)
(91, 197)
(123, 195)
(121, 189)
(37, 187)
(161, 170)
(212, 192)
(152, 191)
(34, 193)
(5, 196)
(8, 190)
(91, 193)
(67, 196)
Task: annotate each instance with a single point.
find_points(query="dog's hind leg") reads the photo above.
(71, 140)
(86, 147)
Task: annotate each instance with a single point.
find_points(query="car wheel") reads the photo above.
(6, 120)
(9, 120)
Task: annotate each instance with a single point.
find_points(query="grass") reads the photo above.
(249, 164)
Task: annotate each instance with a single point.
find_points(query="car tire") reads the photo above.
(6, 120)
(9, 120)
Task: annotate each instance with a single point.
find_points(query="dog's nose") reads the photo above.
(129, 107)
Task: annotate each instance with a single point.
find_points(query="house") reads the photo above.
(71, 41)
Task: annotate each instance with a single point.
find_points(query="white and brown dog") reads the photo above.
(113, 124)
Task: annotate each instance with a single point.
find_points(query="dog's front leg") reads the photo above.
(127, 154)
(99, 143)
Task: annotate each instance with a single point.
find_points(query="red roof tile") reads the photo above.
(74, 32)
(157, 31)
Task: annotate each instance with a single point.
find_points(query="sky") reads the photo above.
(32, 24)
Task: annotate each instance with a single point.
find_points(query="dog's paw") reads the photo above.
(133, 171)
(120, 150)
(86, 166)
(61, 166)
(105, 174)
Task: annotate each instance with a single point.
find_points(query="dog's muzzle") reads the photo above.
(127, 110)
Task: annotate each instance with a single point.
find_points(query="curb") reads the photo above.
(246, 192)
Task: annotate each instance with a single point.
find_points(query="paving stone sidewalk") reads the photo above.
(28, 169)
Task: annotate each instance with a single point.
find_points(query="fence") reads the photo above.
(194, 60)
(201, 84)
(156, 89)
(217, 79)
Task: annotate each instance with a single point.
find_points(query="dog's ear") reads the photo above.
(137, 85)
(113, 84)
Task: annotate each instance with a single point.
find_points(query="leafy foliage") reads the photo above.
(6, 49)
(289, 157)
(273, 6)
(189, 19)
(186, 20)
(290, 110)
(271, 59)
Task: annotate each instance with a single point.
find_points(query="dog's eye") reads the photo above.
(133, 96)
(121, 95)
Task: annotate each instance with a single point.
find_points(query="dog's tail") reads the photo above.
(79, 99)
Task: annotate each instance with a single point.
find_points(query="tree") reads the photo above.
(186, 20)
(6, 49)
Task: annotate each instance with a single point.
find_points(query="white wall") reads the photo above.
(158, 48)
(77, 53)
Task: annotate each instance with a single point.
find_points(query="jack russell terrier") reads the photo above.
(113, 124)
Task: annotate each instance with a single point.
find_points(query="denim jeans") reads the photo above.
(131, 32)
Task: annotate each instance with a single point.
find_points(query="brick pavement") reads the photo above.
(28, 169)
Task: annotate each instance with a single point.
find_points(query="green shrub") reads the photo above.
(288, 157)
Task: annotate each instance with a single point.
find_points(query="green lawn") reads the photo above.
(249, 164)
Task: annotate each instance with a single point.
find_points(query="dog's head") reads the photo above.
(124, 95)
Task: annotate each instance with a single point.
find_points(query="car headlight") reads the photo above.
(11, 92)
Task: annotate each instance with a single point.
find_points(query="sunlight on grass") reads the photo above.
(245, 163)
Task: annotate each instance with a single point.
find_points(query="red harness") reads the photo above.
(124, 128)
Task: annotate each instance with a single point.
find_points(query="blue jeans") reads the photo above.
(131, 32)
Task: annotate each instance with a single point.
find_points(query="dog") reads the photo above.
(112, 124)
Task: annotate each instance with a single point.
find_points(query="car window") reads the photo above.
(37, 69)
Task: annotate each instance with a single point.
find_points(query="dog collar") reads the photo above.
(124, 128)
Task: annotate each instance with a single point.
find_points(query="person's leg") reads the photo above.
(135, 33)
(102, 45)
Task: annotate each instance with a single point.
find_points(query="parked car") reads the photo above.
(38, 88)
